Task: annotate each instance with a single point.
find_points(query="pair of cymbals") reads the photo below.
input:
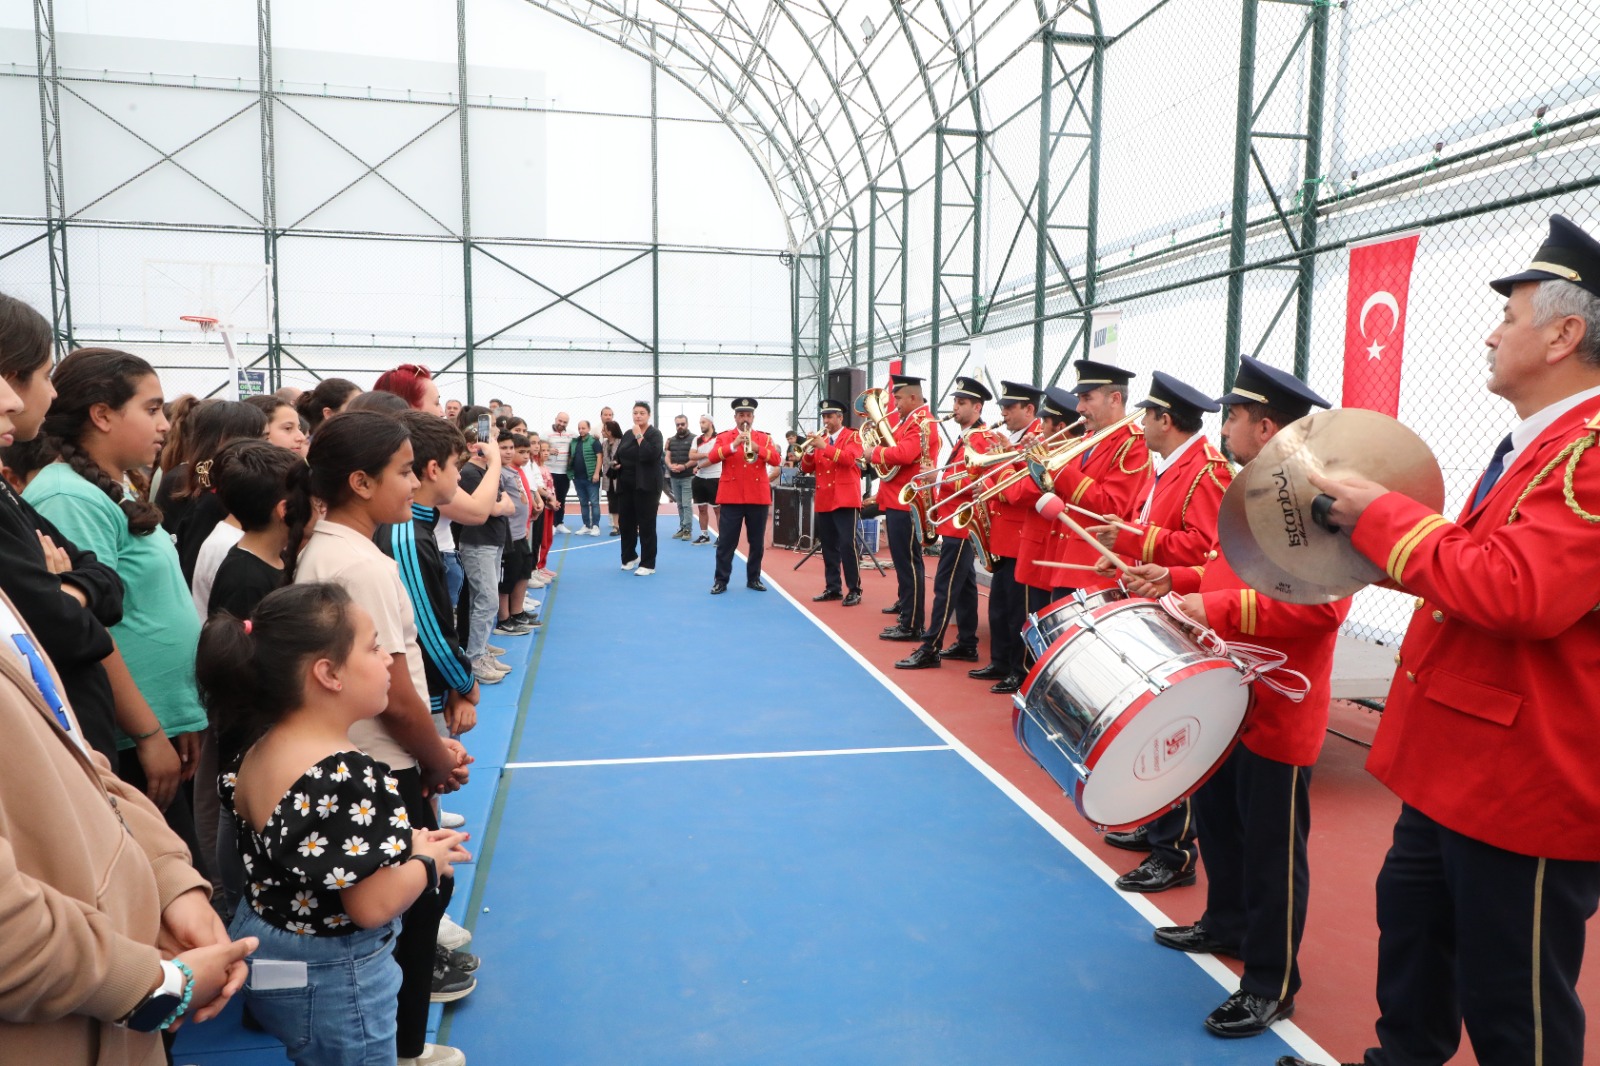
(1268, 530)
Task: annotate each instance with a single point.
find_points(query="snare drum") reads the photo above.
(1128, 713)
(1044, 627)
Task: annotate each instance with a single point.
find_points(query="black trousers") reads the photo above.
(1006, 613)
(1470, 933)
(1254, 815)
(419, 930)
(561, 483)
(906, 552)
(752, 517)
(636, 517)
(955, 594)
(1172, 838)
(1034, 599)
(837, 531)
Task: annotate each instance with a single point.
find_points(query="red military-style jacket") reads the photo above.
(955, 479)
(838, 477)
(1110, 480)
(915, 449)
(1493, 717)
(743, 482)
(1181, 527)
(1005, 517)
(1275, 727)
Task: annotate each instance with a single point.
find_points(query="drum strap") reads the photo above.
(1256, 661)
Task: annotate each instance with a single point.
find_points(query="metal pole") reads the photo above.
(1091, 267)
(794, 331)
(1241, 190)
(466, 197)
(872, 276)
(1309, 189)
(269, 185)
(55, 188)
(1042, 212)
(938, 251)
(655, 238)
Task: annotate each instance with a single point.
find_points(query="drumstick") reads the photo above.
(1093, 543)
(1108, 519)
(1065, 566)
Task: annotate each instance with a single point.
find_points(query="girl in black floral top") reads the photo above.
(329, 854)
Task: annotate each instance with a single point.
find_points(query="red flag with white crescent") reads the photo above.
(1375, 322)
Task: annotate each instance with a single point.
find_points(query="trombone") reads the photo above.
(973, 461)
(1050, 458)
(982, 461)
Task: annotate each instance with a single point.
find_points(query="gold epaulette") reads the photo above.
(1569, 455)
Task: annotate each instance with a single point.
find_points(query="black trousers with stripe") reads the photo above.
(752, 517)
(1007, 610)
(1470, 933)
(955, 594)
(1254, 816)
(837, 531)
(908, 569)
(1172, 838)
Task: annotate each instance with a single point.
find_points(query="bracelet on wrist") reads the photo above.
(188, 994)
(146, 735)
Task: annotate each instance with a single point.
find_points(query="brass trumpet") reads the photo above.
(813, 439)
(1051, 456)
(981, 461)
(973, 461)
(751, 454)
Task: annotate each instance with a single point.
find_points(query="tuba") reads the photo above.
(876, 432)
(919, 499)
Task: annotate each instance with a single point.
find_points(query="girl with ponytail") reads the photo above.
(106, 419)
(330, 857)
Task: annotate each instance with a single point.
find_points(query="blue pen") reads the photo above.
(41, 678)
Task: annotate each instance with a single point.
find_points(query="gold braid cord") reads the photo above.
(1569, 455)
(1122, 453)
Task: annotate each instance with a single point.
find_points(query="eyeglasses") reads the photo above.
(413, 368)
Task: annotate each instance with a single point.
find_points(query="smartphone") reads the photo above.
(483, 429)
(267, 975)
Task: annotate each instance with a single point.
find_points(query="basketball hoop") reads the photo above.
(208, 324)
(205, 322)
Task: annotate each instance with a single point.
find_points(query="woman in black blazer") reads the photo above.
(637, 467)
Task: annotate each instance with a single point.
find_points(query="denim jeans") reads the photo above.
(683, 493)
(454, 578)
(588, 501)
(344, 1014)
(482, 567)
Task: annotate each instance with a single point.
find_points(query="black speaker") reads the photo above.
(785, 517)
(845, 383)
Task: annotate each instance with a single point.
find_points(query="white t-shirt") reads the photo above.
(703, 445)
(224, 536)
(340, 555)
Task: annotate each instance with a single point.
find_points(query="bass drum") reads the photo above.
(1128, 713)
(1045, 627)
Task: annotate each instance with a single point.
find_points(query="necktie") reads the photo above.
(1492, 472)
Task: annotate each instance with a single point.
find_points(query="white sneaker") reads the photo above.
(485, 674)
(436, 1055)
(645, 571)
(631, 566)
(451, 820)
(593, 531)
(537, 582)
(453, 936)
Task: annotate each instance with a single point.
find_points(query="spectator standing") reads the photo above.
(452, 411)
(613, 438)
(560, 449)
(517, 564)
(680, 469)
(481, 548)
(545, 487)
(638, 468)
(583, 469)
(706, 477)
(326, 400)
(415, 385)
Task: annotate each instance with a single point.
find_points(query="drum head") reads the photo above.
(1158, 752)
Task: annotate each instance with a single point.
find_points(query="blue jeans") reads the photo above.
(588, 501)
(454, 577)
(344, 1015)
(683, 494)
(482, 566)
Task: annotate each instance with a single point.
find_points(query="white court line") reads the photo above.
(1293, 1035)
(722, 758)
(601, 543)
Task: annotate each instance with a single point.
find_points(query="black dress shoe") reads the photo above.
(755, 586)
(900, 633)
(1247, 1014)
(1193, 939)
(1296, 1060)
(957, 653)
(923, 658)
(853, 599)
(1007, 685)
(1133, 840)
(1153, 875)
(719, 588)
(992, 672)
(893, 608)
(828, 594)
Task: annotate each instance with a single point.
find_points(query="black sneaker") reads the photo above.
(465, 961)
(702, 539)
(523, 618)
(449, 983)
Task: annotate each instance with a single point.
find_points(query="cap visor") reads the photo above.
(1503, 286)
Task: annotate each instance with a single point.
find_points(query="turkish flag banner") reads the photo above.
(1375, 322)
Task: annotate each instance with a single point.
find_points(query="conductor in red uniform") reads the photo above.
(1488, 736)
(744, 495)
(1254, 813)
(1178, 519)
(915, 449)
(831, 456)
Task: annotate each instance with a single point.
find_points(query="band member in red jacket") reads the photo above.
(1488, 733)
(1057, 410)
(1018, 406)
(744, 495)
(831, 455)
(1178, 519)
(915, 449)
(1253, 815)
(955, 582)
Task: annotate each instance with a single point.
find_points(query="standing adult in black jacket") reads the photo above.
(637, 467)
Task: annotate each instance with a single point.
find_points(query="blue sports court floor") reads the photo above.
(707, 833)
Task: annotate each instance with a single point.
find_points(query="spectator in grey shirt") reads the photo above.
(681, 483)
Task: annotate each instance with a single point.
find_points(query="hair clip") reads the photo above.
(247, 627)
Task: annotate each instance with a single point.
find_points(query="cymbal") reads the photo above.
(1266, 527)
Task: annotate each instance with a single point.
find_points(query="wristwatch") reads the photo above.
(433, 870)
(159, 1005)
